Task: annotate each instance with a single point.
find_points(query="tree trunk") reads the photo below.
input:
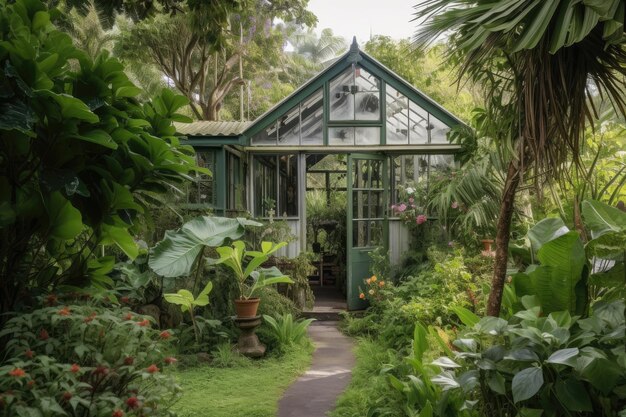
(503, 235)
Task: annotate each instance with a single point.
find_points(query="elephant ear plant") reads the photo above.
(246, 266)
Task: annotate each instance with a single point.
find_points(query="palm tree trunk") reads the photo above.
(503, 235)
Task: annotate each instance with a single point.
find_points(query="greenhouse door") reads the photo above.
(366, 220)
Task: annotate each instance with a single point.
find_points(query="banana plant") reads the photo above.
(187, 302)
(249, 274)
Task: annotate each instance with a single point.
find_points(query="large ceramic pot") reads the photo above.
(487, 244)
(247, 308)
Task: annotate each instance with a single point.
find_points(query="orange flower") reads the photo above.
(165, 334)
(29, 353)
(381, 284)
(362, 296)
(152, 369)
(373, 278)
(368, 281)
(17, 372)
(43, 334)
(128, 316)
(74, 368)
(65, 311)
(90, 318)
(143, 323)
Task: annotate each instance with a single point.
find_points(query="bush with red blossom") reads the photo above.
(59, 363)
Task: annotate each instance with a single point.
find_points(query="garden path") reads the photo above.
(315, 393)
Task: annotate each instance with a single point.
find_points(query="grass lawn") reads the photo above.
(248, 389)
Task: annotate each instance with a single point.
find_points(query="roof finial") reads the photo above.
(355, 46)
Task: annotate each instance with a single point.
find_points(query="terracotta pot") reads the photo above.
(247, 308)
(487, 244)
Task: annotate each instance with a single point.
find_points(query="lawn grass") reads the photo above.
(248, 389)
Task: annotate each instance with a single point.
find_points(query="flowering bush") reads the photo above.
(374, 290)
(84, 360)
(411, 207)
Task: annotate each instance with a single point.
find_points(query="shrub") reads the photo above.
(85, 360)
(555, 365)
(287, 331)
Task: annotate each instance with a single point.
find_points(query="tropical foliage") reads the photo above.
(82, 159)
(534, 60)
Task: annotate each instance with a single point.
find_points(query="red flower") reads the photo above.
(30, 383)
(152, 369)
(65, 311)
(90, 317)
(74, 368)
(51, 300)
(132, 402)
(128, 316)
(67, 396)
(143, 323)
(29, 353)
(117, 413)
(170, 360)
(129, 360)
(124, 300)
(17, 372)
(165, 334)
(43, 334)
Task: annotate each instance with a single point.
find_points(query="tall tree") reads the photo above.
(183, 47)
(540, 62)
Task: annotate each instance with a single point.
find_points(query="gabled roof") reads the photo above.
(353, 56)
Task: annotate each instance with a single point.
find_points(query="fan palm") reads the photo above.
(540, 62)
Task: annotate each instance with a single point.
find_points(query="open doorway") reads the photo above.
(326, 211)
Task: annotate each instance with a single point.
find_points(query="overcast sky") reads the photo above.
(359, 18)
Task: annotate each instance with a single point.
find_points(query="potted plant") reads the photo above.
(246, 266)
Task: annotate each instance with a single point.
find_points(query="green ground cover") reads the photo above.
(248, 388)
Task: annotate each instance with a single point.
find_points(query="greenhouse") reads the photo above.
(354, 133)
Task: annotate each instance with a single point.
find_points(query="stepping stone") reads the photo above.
(315, 393)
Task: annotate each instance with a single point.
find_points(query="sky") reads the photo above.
(359, 18)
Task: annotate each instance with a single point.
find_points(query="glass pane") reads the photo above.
(367, 204)
(367, 135)
(265, 137)
(201, 192)
(397, 117)
(341, 136)
(265, 185)
(341, 98)
(367, 106)
(367, 233)
(312, 111)
(438, 130)
(289, 129)
(367, 97)
(288, 177)
(418, 124)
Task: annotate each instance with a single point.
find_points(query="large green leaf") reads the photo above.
(555, 281)
(175, 255)
(601, 218)
(573, 394)
(64, 220)
(545, 231)
(120, 237)
(526, 383)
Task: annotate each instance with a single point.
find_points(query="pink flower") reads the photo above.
(411, 200)
(401, 208)
(420, 219)
(455, 205)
